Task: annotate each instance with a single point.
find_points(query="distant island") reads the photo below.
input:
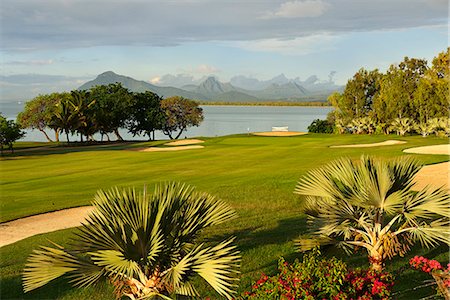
(278, 91)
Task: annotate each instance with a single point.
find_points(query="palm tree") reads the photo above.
(424, 128)
(65, 117)
(402, 125)
(145, 244)
(371, 205)
(441, 126)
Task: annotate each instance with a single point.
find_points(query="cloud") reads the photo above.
(155, 80)
(22, 87)
(296, 46)
(31, 26)
(31, 62)
(207, 69)
(300, 9)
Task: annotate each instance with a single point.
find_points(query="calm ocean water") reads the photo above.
(219, 120)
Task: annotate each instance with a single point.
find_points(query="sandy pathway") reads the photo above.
(179, 148)
(434, 175)
(279, 133)
(385, 143)
(185, 142)
(435, 149)
(13, 231)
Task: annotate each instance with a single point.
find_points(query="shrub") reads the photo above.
(320, 278)
(435, 269)
(320, 126)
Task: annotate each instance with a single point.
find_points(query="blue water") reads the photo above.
(219, 120)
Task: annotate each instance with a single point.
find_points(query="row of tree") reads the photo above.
(411, 93)
(105, 108)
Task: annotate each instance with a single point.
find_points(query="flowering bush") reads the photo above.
(316, 278)
(440, 274)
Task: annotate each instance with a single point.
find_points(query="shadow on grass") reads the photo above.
(252, 237)
(11, 288)
(75, 147)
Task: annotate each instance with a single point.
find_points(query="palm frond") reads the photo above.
(45, 265)
(217, 265)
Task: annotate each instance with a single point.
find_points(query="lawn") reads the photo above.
(255, 175)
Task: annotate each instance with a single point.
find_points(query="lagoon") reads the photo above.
(223, 120)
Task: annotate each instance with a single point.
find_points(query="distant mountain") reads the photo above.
(312, 85)
(239, 89)
(290, 90)
(139, 86)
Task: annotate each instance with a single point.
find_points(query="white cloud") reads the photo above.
(155, 80)
(300, 9)
(207, 69)
(297, 46)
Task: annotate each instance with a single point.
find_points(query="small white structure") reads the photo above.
(284, 128)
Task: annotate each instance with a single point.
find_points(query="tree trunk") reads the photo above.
(46, 135)
(181, 131)
(67, 137)
(376, 261)
(81, 137)
(56, 135)
(116, 132)
(153, 135)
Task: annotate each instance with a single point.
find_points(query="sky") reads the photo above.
(58, 45)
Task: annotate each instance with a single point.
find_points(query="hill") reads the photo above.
(139, 86)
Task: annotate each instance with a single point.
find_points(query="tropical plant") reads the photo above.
(441, 126)
(112, 107)
(402, 125)
(146, 114)
(145, 244)
(370, 204)
(320, 126)
(318, 277)
(83, 108)
(9, 133)
(424, 128)
(39, 112)
(65, 116)
(179, 114)
(441, 275)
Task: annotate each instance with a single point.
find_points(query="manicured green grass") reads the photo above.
(255, 175)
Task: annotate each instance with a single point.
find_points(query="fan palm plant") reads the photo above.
(371, 205)
(424, 128)
(402, 125)
(441, 126)
(145, 244)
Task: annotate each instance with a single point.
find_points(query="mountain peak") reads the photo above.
(107, 73)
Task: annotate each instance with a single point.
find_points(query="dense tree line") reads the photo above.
(410, 97)
(104, 109)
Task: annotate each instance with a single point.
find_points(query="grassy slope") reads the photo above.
(256, 175)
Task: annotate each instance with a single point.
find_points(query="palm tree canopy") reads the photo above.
(370, 203)
(146, 239)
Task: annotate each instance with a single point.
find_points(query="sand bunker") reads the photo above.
(279, 133)
(434, 175)
(179, 148)
(385, 143)
(436, 149)
(13, 231)
(185, 142)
